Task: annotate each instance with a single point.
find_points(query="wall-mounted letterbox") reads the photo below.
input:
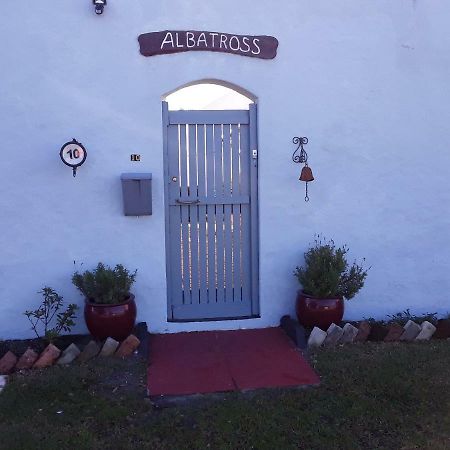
(137, 194)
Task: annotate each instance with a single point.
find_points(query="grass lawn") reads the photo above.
(372, 396)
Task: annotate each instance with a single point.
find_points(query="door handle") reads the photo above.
(187, 202)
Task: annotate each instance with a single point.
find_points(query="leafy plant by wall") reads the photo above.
(327, 273)
(48, 321)
(105, 285)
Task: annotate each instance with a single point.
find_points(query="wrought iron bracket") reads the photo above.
(300, 157)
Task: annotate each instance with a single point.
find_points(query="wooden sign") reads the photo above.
(166, 42)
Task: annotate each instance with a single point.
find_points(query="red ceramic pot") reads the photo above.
(116, 321)
(319, 312)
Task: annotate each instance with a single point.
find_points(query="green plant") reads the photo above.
(402, 317)
(105, 285)
(373, 321)
(327, 272)
(48, 312)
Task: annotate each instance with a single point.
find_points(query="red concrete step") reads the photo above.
(219, 361)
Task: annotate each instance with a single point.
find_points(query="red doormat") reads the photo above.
(219, 361)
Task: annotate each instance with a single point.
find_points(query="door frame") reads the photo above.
(254, 216)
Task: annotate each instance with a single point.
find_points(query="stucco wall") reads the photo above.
(366, 81)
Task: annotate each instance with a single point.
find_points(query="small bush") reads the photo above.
(402, 317)
(49, 312)
(373, 321)
(327, 273)
(105, 285)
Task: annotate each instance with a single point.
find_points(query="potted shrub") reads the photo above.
(326, 279)
(110, 310)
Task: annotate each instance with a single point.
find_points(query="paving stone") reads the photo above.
(334, 334)
(316, 337)
(69, 354)
(442, 329)
(363, 331)
(3, 379)
(109, 347)
(294, 330)
(412, 329)
(27, 360)
(128, 346)
(395, 331)
(7, 363)
(378, 332)
(349, 335)
(90, 351)
(426, 332)
(48, 357)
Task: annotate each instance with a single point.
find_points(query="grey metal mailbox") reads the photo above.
(137, 194)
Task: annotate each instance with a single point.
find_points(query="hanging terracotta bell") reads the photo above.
(306, 174)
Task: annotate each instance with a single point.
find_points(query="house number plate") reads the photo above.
(73, 154)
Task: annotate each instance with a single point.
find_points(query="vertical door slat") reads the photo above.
(245, 214)
(245, 253)
(235, 159)
(244, 157)
(227, 184)
(184, 186)
(210, 215)
(201, 171)
(176, 288)
(183, 162)
(193, 214)
(254, 232)
(218, 159)
(236, 263)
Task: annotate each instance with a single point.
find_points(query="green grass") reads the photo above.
(372, 396)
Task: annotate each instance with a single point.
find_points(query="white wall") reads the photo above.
(365, 80)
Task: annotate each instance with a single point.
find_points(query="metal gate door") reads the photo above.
(211, 214)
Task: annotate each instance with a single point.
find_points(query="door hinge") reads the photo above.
(255, 154)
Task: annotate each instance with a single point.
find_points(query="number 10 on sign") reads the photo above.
(73, 154)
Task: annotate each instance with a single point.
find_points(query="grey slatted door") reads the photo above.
(211, 214)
